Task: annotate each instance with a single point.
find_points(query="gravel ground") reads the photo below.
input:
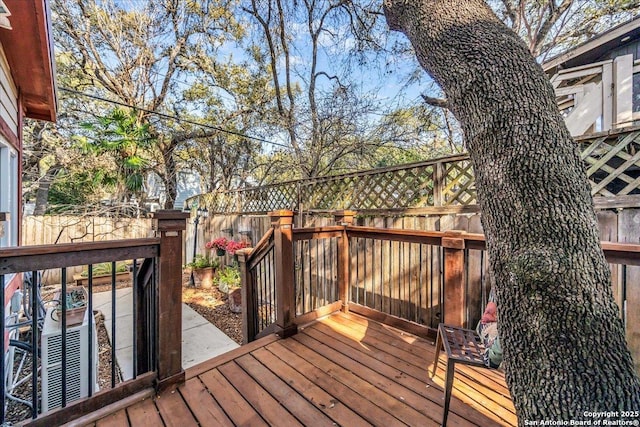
(17, 411)
(104, 356)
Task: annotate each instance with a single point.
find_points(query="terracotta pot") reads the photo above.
(203, 277)
(235, 300)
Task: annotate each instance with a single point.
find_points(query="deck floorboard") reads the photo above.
(204, 407)
(301, 408)
(144, 413)
(174, 410)
(343, 369)
(309, 390)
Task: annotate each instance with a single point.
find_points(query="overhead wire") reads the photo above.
(225, 95)
(171, 117)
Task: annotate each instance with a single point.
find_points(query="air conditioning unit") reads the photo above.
(77, 360)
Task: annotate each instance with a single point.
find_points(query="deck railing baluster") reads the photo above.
(113, 324)
(90, 336)
(154, 355)
(35, 353)
(63, 315)
(134, 296)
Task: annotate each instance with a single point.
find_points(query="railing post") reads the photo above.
(169, 226)
(454, 278)
(282, 223)
(344, 218)
(248, 311)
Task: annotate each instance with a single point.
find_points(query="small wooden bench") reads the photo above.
(462, 346)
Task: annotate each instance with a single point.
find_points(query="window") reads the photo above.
(9, 194)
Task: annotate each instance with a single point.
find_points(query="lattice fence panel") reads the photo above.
(219, 202)
(459, 184)
(269, 198)
(613, 164)
(384, 190)
(327, 193)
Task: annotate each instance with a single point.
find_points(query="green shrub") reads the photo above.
(228, 277)
(104, 268)
(201, 261)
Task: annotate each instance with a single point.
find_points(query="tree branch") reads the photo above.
(436, 102)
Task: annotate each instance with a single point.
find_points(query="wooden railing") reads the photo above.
(259, 287)
(316, 268)
(403, 273)
(595, 95)
(155, 328)
(408, 278)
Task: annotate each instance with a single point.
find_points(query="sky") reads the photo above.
(381, 78)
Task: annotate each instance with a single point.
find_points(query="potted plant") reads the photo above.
(229, 281)
(203, 269)
(219, 244)
(75, 305)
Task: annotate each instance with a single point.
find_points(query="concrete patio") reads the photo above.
(200, 339)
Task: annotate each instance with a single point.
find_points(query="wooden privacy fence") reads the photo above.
(55, 229)
(52, 229)
(444, 185)
(411, 279)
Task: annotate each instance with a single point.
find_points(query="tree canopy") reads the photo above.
(243, 92)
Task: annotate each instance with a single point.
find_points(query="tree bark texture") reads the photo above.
(170, 176)
(564, 346)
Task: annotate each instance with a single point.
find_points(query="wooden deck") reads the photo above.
(341, 370)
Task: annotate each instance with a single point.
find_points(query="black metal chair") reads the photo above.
(462, 346)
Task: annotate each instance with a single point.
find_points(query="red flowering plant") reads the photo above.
(219, 243)
(233, 246)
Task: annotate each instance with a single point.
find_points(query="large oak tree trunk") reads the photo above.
(564, 345)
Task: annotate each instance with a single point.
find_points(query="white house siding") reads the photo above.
(8, 95)
(9, 170)
(598, 96)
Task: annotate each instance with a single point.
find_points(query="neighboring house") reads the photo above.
(27, 89)
(597, 83)
(188, 185)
